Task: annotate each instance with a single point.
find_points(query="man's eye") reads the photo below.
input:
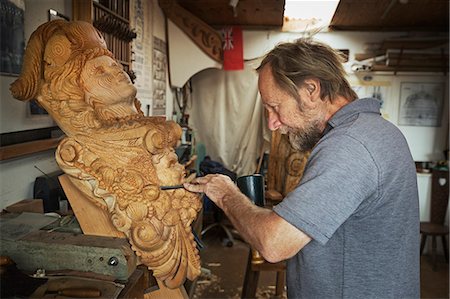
(273, 108)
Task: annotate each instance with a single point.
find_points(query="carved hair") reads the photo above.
(53, 51)
(293, 63)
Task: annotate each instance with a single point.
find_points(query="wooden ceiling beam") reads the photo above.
(203, 35)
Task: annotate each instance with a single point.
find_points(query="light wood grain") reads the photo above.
(92, 219)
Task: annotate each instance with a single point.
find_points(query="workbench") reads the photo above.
(38, 261)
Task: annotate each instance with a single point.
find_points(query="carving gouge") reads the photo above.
(171, 187)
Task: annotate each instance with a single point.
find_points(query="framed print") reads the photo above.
(159, 76)
(12, 36)
(421, 104)
(35, 109)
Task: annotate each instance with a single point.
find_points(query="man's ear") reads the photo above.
(312, 87)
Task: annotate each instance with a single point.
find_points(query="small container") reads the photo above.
(253, 187)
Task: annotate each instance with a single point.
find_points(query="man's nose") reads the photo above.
(273, 121)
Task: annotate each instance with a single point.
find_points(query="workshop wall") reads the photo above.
(426, 143)
(17, 175)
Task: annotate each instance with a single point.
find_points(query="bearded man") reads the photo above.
(350, 229)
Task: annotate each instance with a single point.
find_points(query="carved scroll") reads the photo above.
(118, 157)
(205, 37)
(286, 165)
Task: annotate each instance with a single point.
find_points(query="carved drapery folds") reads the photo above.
(205, 37)
(120, 157)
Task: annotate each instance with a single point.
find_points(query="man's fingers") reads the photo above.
(201, 180)
(194, 187)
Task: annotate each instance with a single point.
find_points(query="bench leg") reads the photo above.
(250, 280)
(280, 284)
(422, 243)
(444, 244)
(433, 252)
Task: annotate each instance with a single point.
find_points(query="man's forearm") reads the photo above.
(252, 222)
(275, 238)
(265, 231)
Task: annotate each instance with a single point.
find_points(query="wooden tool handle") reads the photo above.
(80, 292)
(5, 260)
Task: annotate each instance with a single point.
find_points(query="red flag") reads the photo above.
(233, 48)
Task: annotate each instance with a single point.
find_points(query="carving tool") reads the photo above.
(77, 292)
(171, 187)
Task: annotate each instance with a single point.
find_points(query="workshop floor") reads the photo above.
(224, 269)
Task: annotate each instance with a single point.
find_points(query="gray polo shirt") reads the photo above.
(358, 201)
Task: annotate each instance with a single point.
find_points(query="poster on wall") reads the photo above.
(421, 104)
(159, 76)
(380, 92)
(12, 36)
(141, 21)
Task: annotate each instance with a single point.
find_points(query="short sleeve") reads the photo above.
(339, 176)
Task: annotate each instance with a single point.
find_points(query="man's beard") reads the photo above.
(306, 138)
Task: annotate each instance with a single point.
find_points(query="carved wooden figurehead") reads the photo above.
(117, 157)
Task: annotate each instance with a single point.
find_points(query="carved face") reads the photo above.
(106, 83)
(168, 170)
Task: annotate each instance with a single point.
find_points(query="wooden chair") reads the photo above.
(284, 171)
(436, 227)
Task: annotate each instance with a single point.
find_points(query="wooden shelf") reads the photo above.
(26, 148)
(112, 19)
(109, 11)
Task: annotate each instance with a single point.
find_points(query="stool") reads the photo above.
(252, 276)
(435, 227)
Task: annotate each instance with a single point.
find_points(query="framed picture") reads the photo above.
(159, 76)
(12, 36)
(55, 15)
(35, 109)
(421, 104)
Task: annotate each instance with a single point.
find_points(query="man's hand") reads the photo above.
(216, 186)
(275, 238)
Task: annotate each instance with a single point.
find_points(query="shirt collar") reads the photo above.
(365, 105)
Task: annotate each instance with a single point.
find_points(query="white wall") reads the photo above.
(186, 58)
(17, 175)
(426, 143)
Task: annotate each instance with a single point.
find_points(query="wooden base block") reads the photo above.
(93, 220)
(166, 293)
